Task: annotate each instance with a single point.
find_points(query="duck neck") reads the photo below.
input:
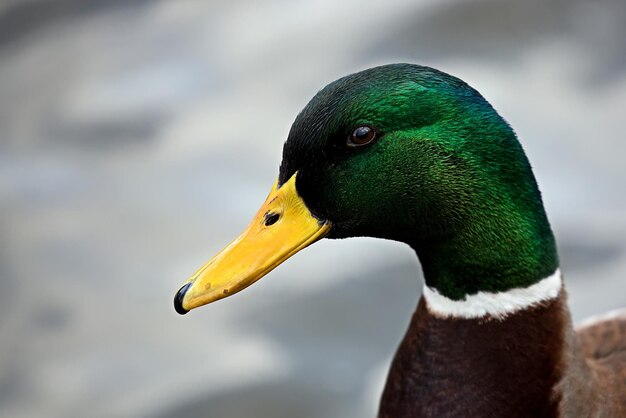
(480, 367)
(494, 249)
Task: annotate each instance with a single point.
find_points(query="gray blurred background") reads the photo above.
(138, 137)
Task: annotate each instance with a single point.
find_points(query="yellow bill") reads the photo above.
(282, 227)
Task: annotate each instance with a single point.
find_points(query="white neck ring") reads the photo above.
(494, 305)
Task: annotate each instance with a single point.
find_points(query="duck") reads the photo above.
(409, 153)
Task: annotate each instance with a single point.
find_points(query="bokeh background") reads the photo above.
(138, 137)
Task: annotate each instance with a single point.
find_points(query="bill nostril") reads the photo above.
(271, 218)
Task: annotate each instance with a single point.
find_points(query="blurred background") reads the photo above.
(139, 137)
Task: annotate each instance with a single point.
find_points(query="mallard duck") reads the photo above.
(409, 153)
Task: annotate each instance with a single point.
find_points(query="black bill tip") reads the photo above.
(178, 299)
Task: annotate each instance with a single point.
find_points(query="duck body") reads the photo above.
(409, 153)
(468, 367)
(529, 364)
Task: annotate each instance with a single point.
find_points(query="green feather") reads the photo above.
(446, 175)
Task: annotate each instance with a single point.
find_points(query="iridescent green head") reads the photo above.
(406, 153)
(409, 153)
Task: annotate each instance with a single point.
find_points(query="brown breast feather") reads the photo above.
(532, 364)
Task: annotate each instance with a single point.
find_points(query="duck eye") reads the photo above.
(362, 135)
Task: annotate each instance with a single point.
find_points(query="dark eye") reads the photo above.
(362, 135)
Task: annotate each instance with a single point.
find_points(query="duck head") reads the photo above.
(399, 152)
